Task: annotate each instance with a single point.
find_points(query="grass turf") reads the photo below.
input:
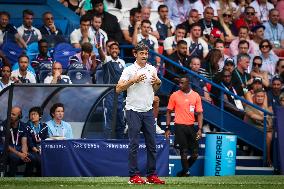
(232, 182)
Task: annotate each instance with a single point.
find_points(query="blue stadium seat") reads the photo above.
(99, 77)
(80, 76)
(62, 53)
(12, 51)
(43, 74)
(32, 50)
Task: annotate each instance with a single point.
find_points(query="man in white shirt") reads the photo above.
(140, 80)
(22, 74)
(29, 33)
(100, 36)
(57, 77)
(170, 43)
(262, 8)
(82, 34)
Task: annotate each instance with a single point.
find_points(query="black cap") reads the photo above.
(229, 61)
(257, 80)
(257, 27)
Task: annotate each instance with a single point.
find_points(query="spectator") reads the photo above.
(57, 77)
(219, 44)
(84, 60)
(57, 128)
(100, 36)
(8, 32)
(18, 145)
(170, 43)
(279, 68)
(213, 37)
(208, 23)
(258, 36)
(274, 93)
(145, 14)
(22, 74)
(256, 85)
(178, 11)
(186, 104)
(274, 31)
(146, 38)
(256, 118)
(164, 25)
(247, 19)
(262, 8)
(229, 5)
(113, 67)
(226, 21)
(231, 104)
(269, 59)
(196, 45)
(201, 5)
(3, 60)
(229, 65)
(210, 66)
(243, 48)
(239, 76)
(49, 31)
(73, 5)
(127, 26)
(82, 34)
(37, 131)
(29, 33)
(6, 77)
(42, 61)
(243, 35)
(197, 84)
(173, 72)
(280, 7)
(154, 4)
(109, 22)
(256, 71)
(193, 17)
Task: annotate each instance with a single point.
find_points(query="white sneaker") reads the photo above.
(159, 131)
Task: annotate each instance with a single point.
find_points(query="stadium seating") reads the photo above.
(12, 51)
(80, 76)
(62, 53)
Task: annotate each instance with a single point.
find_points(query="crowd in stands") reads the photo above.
(235, 44)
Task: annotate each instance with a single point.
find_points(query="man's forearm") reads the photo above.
(123, 85)
(200, 120)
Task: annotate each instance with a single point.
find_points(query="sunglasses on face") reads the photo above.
(250, 13)
(227, 76)
(227, 15)
(264, 46)
(256, 65)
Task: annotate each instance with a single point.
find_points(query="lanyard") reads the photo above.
(234, 91)
(56, 127)
(36, 133)
(205, 25)
(240, 78)
(15, 143)
(274, 31)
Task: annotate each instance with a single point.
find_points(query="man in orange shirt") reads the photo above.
(185, 103)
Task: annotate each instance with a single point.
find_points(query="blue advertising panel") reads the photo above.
(220, 154)
(97, 158)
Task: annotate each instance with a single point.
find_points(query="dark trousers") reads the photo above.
(108, 113)
(15, 161)
(145, 122)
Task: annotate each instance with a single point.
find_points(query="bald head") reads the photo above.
(16, 113)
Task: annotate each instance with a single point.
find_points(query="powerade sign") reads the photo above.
(220, 154)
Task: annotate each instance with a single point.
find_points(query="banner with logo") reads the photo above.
(97, 158)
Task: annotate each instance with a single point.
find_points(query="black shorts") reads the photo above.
(185, 137)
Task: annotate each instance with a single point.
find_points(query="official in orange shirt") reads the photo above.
(186, 103)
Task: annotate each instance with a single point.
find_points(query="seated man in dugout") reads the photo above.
(256, 117)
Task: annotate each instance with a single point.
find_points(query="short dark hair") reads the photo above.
(241, 42)
(36, 109)
(42, 41)
(181, 42)
(45, 13)
(5, 13)
(85, 18)
(162, 6)
(87, 47)
(54, 107)
(257, 58)
(115, 43)
(196, 24)
(180, 26)
(218, 41)
(249, 7)
(146, 21)
(23, 55)
(133, 11)
(244, 27)
(28, 12)
(140, 47)
(261, 90)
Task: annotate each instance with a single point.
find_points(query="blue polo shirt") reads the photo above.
(62, 130)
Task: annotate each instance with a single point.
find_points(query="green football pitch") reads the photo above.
(232, 182)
